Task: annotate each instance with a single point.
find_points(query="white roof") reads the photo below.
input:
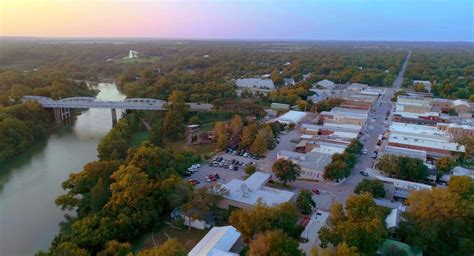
(255, 83)
(393, 219)
(424, 82)
(461, 171)
(408, 185)
(252, 189)
(311, 160)
(420, 154)
(217, 242)
(326, 83)
(329, 148)
(461, 103)
(425, 142)
(291, 117)
(357, 86)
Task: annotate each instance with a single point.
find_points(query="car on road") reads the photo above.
(363, 173)
(316, 191)
(365, 151)
(374, 154)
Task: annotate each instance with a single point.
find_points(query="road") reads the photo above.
(376, 125)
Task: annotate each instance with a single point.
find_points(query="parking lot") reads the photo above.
(221, 167)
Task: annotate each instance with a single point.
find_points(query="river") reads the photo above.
(30, 183)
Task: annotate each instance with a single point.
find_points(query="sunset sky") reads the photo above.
(438, 20)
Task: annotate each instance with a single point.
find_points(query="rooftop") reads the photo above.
(255, 83)
(291, 117)
(252, 189)
(426, 142)
(218, 241)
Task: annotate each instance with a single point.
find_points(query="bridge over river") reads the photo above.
(62, 107)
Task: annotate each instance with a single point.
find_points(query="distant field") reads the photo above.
(138, 60)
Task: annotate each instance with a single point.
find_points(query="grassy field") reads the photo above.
(188, 238)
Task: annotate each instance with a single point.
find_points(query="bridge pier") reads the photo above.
(114, 116)
(61, 114)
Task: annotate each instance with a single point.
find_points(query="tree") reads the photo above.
(341, 249)
(401, 167)
(419, 87)
(262, 218)
(221, 133)
(440, 221)
(445, 164)
(236, 126)
(248, 135)
(200, 206)
(156, 134)
(336, 170)
(388, 164)
(173, 125)
(249, 170)
(277, 78)
(273, 242)
(374, 187)
(360, 225)
(305, 201)
(68, 249)
(286, 170)
(259, 145)
(172, 247)
(114, 248)
(468, 143)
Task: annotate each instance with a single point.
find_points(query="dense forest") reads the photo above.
(450, 70)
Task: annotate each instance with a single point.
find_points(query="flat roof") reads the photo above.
(218, 241)
(416, 129)
(255, 83)
(420, 154)
(292, 116)
(252, 189)
(426, 142)
(392, 219)
(311, 160)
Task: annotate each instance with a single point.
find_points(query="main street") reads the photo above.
(375, 126)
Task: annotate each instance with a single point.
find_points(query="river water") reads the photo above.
(30, 183)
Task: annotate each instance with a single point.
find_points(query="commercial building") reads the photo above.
(399, 189)
(356, 87)
(219, 241)
(413, 104)
(345, 116)
(244, 194)
(280, 106)
(254, 85)
(435, 142)
(312, 163)
(426, 118)
(457, 130)
(291, 117)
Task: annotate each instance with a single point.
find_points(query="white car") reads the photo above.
(365, 151)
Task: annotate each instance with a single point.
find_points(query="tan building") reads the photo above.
(456, 130)
(344, 116)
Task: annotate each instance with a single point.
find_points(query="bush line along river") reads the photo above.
(30, 183)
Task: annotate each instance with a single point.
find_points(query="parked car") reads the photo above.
(363, 173)
(365, 151)
(374, 154)
(316, 191)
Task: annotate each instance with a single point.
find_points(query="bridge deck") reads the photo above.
(91, 102)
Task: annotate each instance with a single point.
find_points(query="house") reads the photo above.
(291, 117)
(326, 84)
(245, 194)
(426, 84)
(219, 241)
(319, 95)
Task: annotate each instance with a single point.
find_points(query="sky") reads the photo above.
(391, 20)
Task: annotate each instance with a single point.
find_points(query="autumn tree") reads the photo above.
(248, 135)
(440, 221)
(114, 248)
(361, 224)
(220, 131)
(251, 169)
(236, 125)
(260, 145)
(286, 170)
(341, 249)
(172, 247)
(273, 242)
(305, 202)
(173, 124)
(445, 164)
(200, 206)
(374, 187)
(262, 218)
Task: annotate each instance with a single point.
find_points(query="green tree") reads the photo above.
(251, 169)
(406, 168)
(360, 225)
(374, 187)
(156, 134)
(200, 206)
(341, 249)
(286, 170)
(419, 87)
(305, 202)
(68, 249)
(273, 242)
(173, 125)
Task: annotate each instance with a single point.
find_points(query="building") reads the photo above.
(319, 95)
(254, 85)
(457, 130)
(356, 87)
(435, 142)
(426, 84)
(426, 118)
(399, 189)
(219, 241)
(406, 152)
(280, 106)
(245, 194)
(291, 117)
(326, 84)
(461, 171)
(344, 116)
(392, 220)
(312, 164)
(132, 55)
(413, 104)
(462, 108)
